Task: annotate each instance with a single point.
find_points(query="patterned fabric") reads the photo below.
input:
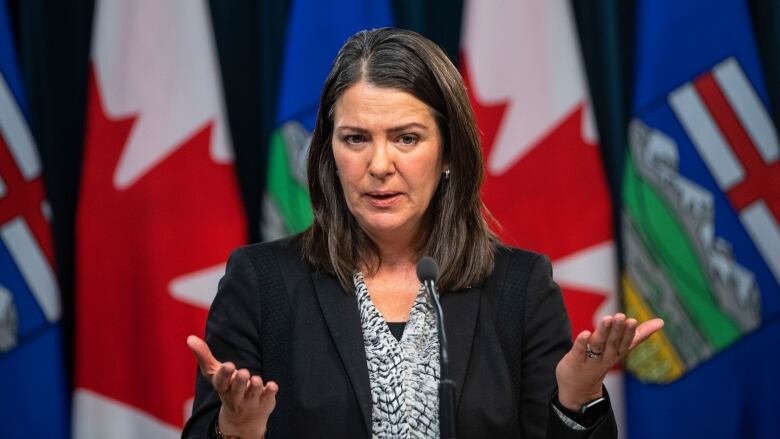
(574, 425)
(404, 375)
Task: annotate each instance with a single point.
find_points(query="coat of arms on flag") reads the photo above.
(701, 215)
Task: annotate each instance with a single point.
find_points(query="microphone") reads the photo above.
(428, 274)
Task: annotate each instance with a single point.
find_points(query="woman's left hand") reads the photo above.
(580, 373)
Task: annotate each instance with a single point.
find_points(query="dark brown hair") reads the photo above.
(457, 236)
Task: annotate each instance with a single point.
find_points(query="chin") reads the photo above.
(383, 226)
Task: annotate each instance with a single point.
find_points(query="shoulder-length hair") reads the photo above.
(457, 236)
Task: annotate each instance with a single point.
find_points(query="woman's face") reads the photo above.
(388, 153)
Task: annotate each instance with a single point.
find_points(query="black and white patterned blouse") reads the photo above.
(404, 374)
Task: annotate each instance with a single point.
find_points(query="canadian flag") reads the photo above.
(544, 179)
(158, 214)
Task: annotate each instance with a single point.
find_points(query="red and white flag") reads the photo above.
(544, 179)
(159, 212)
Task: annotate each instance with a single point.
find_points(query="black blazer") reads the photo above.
(320, 362)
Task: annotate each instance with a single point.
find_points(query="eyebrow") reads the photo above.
(403, 127)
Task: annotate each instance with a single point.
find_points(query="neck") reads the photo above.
(397, 251)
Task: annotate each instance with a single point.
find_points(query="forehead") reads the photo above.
(365, 104)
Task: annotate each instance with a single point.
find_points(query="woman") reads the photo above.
(350, 348)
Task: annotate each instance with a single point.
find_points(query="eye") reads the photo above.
(354, 139)
(408, 139)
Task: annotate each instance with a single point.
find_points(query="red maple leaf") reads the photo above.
(553, 200)
(181, 216)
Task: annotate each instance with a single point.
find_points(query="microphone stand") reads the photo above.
(446, 384)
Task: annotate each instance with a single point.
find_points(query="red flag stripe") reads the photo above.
(24, 198)
(760, 177)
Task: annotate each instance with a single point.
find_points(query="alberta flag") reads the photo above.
(33, 386)
(315, 32)
(701, 227)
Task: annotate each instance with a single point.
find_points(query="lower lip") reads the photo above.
(383, 201)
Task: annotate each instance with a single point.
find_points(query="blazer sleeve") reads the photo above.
(546, 339)
(232, 333)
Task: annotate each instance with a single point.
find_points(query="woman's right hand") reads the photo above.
(246, 402)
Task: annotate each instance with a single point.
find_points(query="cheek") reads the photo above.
(429, 170)
(346, 171)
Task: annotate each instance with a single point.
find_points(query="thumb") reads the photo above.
(580, 344)
(206, 361)
(646, 329)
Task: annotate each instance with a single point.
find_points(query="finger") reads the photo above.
(628, 336)
(580, 344)
(255, 388)
(206, 362)
(646, 329)
(240, 384)
(271, 387)
(222, 378)
(599, 338)
(616, 333)
(268, 396)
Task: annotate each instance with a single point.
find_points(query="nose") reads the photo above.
(381, 162)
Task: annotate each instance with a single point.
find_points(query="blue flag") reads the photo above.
(34, 400)
(315, 32)
(701, 227)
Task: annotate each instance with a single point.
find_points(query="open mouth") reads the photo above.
(382, 199)
(383, 196)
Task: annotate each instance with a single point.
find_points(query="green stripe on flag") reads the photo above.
(286, 190)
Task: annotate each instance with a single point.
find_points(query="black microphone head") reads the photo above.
(427, 269)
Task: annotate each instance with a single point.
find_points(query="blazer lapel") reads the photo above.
(343, 319)
(460, 310)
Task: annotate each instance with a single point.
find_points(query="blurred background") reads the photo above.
(633, 141)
